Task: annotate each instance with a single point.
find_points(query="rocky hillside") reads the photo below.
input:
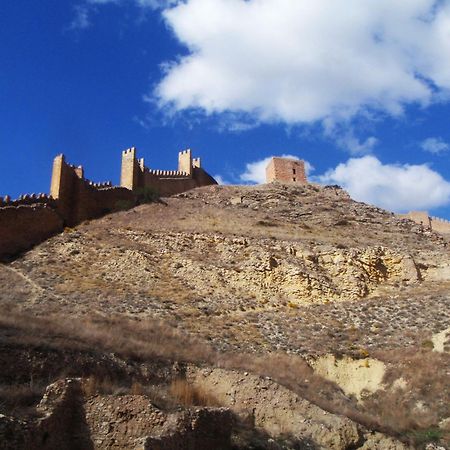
(342, 303)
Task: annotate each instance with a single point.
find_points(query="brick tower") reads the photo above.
(286, 170)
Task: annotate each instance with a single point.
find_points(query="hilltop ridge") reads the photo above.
(248, 272)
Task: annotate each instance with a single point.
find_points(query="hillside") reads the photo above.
(339, 303)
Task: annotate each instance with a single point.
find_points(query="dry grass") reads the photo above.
(187, 395)
(146, 341)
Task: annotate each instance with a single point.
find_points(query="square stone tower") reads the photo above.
(286, 170)
(185, 162)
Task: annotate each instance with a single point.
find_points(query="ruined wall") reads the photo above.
(23, 225)
(286, 170)
(137, 177)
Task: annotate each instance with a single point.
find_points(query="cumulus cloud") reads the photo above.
(255, 172)
(301, 61)
(395, 187)
(435, 145)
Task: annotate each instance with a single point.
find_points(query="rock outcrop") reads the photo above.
(71, 420)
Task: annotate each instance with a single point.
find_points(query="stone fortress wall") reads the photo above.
(428, 222)
(135, 176)
(33, 218)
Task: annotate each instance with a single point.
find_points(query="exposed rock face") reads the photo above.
(119, 421)
(13, 433)
(262, 269)
(70, 421)
(304, 271)
(201, 429)
(278, 411)
(356, 377)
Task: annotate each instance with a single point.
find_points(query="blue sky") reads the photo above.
(359, 89)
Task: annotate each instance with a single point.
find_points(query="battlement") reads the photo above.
(104, 185)
(286, 170)
(32, 218)
(168, 173)
(437, 219)
(129, 151)
(427, 221)
(136, 176)
(185, 162)
(26, 199)
(196, 163)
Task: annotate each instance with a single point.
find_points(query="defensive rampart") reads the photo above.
(137, 177)
(79, 199)
(33, 218)
(24, 225)
(428, 222)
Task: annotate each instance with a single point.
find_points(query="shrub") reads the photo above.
(187, 395)
(147, 195)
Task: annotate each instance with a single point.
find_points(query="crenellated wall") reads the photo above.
(136, 176)
(428, 222)
(33, 218)
(440, 225)
(79, 199)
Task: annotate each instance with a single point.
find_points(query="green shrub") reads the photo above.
(147, 195)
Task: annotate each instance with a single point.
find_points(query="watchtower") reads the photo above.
(185, 162)
(286, 170)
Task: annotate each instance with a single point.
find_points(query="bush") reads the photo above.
(147, 195)
(187, 395)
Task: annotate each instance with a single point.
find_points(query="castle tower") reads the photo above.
(130, 169)
(286, 170)
(57, 173)
(196, 163)
(185, 162)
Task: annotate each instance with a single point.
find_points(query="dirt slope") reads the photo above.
(257, 270)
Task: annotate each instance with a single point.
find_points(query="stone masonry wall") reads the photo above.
(286, 170)
(440, 225)
(33, 218)
(432, 223)
(136, 176)
(78, 199)
(23, 226)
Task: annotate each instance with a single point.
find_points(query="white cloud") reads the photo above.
(255, 172)
(83, 10)
(392, 186)
(435, 145)
(355, 146)
(301, 61)
(220, 179)
(81, 19)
